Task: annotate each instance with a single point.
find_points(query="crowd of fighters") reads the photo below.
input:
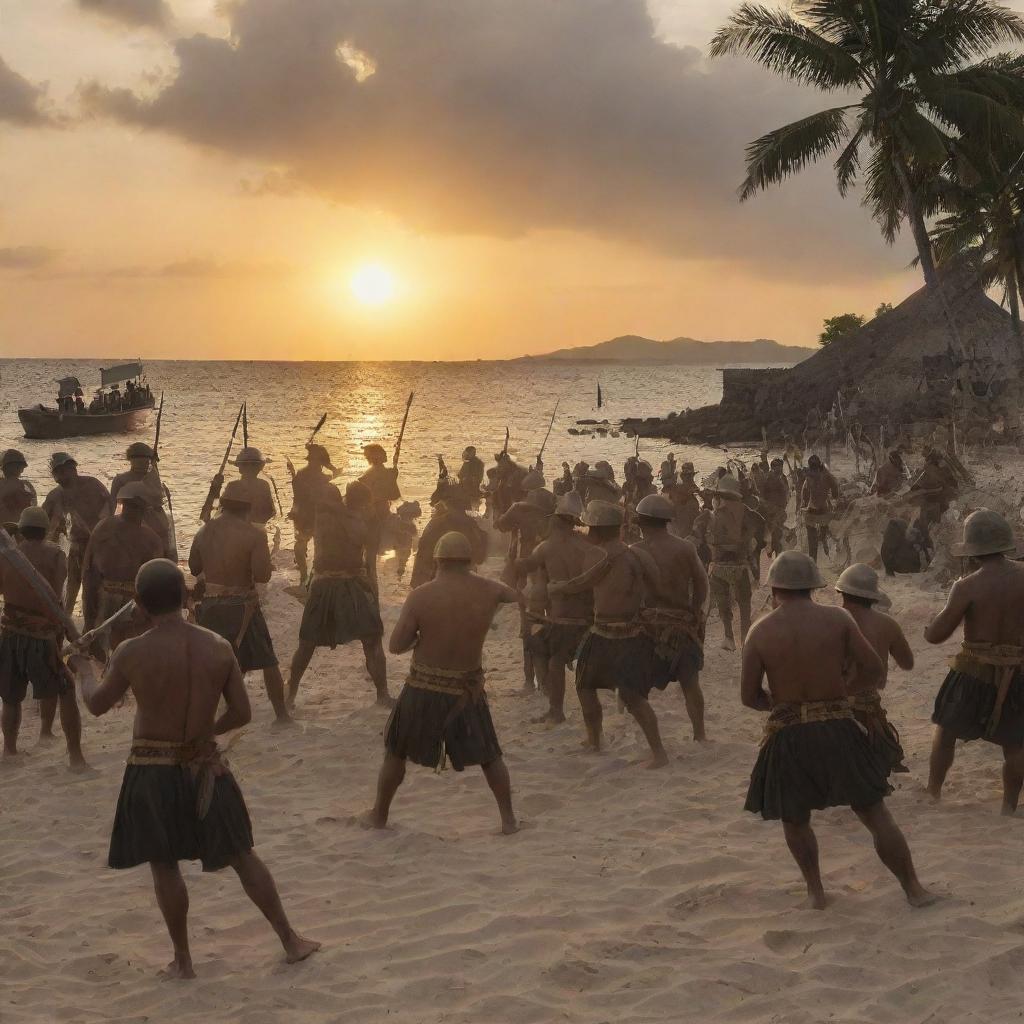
(610, 581)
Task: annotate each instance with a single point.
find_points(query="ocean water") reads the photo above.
(455, 404)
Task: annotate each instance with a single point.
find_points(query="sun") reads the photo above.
(372, 284)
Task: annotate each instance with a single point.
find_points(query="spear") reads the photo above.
(218, 481)
(319, 426)
(245, 425)
(172, 534)
(401, 433)
(504, 450)
(156, 438)
(278, 496)
(540, 454)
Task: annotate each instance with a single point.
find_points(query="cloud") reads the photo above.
(20, 100)
(500, 118)
(190, 269)
(27, 257)
(134, 13)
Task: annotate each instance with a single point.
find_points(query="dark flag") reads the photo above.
(600, 401)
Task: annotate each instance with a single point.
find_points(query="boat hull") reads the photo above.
(50, 424)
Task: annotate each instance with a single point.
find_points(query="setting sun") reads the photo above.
(372, 285)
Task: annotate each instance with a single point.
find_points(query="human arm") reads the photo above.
(261, 565)
(752, 692)
(869, 669)
(699, 576)
(508, 595)
(238, 711)
(195, 554)
(942, 627)
(586, 579)
(533, 561)
(406, 631)
(899, 649)
(99, 696)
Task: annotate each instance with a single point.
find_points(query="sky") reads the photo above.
(403, 179)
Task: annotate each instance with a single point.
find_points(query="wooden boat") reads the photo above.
(44, 422)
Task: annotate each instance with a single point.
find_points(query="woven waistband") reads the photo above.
(125, 588)
(339, 574)
(203, 759)
(454, 682)
(866, 701)
(805, 712)
(730, 572)
(977, 657)
(214, 590)
(24, 622)
(617, 630)
(552, 621)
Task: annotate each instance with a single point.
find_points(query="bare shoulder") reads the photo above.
(762, 628)
(891, 624)
(211, 644)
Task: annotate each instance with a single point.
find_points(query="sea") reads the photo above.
(454, 405)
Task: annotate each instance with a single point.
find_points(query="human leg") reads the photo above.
(554, 675)
(744, 596)
(273, 683)
(301, 555)
(10, 722)
(501, 786)
(1013, 777)
(723, 602)
(812, 542)
(377, 666)
(593, 716)
(172, 899)
(47, 714)
(803, 845)
(639, 707)
(694, 698)
(941, 760)
(893, 851)
(300, 662)
(71, 725)
(392, 772)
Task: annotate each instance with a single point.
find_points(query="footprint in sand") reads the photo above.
(537, 803)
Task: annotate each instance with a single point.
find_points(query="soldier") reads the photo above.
(729, 540)
(684, 498)
(934, 487)
(471, 473)
(308, 485)
(16, 494)
(250, 462)
(449, 515)
(774, 491)
(888, 476)
(142, 470)
(818, 494)
(382, 480)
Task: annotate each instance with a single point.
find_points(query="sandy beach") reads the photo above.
(629, 895)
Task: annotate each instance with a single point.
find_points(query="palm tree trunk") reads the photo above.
(1013, 302)
(917, 224)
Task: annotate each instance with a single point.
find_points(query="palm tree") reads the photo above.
(906, 67)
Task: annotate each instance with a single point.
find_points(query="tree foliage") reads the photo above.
(840, 326)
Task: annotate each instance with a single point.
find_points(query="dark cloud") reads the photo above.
(20, 100)
(499, 118)
(135, 13)
(192, 269)
(27, 257)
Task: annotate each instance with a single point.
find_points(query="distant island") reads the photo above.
(686, 351)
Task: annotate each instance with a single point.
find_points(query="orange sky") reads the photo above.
(532, 178)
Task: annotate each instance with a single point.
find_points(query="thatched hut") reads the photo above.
(904, 367)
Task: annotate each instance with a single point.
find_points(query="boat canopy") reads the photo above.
(68, 386)
(116, 374)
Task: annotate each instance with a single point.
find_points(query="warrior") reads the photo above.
(563, 555)
(616, 653)
(119, 546)
(449, 515)
(774, 490)
(179, 800)
(382, 481)
(819, 492)
(685, 501)
(935, 487)
(342, 605)
(142, 470)
(16, 494)
(86, 501)
(814, 753)
(601, 485)
(889, 476)
(471, 473)
(30, 642)
(231, 555)
(308, 485)
(759, 472)
(250, 462)
(859, 588)
(674, 609)
(729, 541)
(667, 474)
(982, 697)
(442, 713)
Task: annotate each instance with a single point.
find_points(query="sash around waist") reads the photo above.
(215, 590)
(339, 574)
(464, 683)
(612, 630)
(203, 759)
(126, 588)
(15, 619)
(784, 715)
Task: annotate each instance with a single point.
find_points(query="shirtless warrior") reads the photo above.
(179, 800)
(728, 537)
(232, 556)
(308, 484)
(563, 555)
(142, 470)
(16, 494)
(983, 695)
(617, 654)
(382, 481)
(341, 605)
(674, 609)
(818, 495)
(814, 753)
(30, 642)
(250, 462)
(442, 713)
(859, 588)
(119, 546)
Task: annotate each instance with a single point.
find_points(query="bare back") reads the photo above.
(885, 636)
(231, 552)
(619, 593)
(118, 548)
(51, 564)
(988, 602)
(563, 556)
(682, 580)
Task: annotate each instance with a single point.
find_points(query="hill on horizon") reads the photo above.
(631, 348)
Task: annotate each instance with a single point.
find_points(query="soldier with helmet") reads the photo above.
(250, 462)
(728, 536)
(982, 697)
(382, 481)
(309, 484)
(685, 501)
(16, 494)
(142, 470)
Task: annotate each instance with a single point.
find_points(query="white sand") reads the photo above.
(632, 895)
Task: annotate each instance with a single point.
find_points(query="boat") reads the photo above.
(43, 422)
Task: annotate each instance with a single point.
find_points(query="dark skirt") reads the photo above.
(627, 664)
(156, 820)
(964, 705)
(560, 641)
(340, 611)
(25, 659)
(680, 664)
(423, 730)
(225, 616)
(814, 765)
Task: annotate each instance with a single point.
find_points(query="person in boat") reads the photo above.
(308, 486)
(815, 754)
(96, 405)
(382, 480)
(85, 501)
(142, 470)
(79, 401)
(341, 606)
(30, 642)
(232, 556)
(16, 494)
(250, 462)
(442, 713)
(179, 800)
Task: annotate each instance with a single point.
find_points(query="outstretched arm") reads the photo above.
(945, 623)
(100, 696)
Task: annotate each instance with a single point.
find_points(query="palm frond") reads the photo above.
(883, 194)
(926, 143)
(986, 121)
(848, 162)
(780, 153)
(787, 47)
(964, 29)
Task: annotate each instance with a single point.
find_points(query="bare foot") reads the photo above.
(659, 760)
(919, 896)
(47, 737)
(549, 718)
(296, 948)
(817, 900)
(385, 700)
(728, 644)
(80, 766)
(179, 969)
(700, 738)
(371, 819)
(283, 722)
(510, 827)
(935, 795)
(589, 746)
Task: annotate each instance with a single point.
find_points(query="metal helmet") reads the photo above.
(532, 480)
(12, 457)
(139, 450)
(134, 491)
(728, 486)
(569, 505)
(603, 513)
(236, 491)
(543, 499)
(860, 580)
(985, 533)
(453, 547)
(656, 506)
(34, 516)
(793, 570)
(250, 456)
(58, 459)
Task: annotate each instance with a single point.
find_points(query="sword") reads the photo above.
(278, 496)
(16, 559)
(401, 433)
(103, 628)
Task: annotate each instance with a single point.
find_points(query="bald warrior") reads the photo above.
(341, 606)
(617, 653)
(983, 695)
(16, 494)
(674, 608)
(563, 555)
(250, 462)
(119, 546)
(858, 586)
(179, 800)
(231, 556)
(30, 642)
(442, 712)
(814, 754)
(85, 501)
